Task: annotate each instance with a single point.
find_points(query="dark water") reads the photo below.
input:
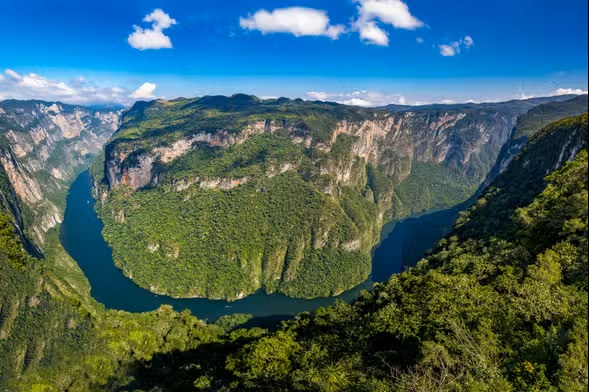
(81, 236)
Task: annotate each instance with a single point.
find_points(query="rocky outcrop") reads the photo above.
(42, 147)
(310, 186)
(391, 141)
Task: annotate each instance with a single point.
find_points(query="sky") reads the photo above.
(360, 52)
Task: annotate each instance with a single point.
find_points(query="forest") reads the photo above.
(497, 305)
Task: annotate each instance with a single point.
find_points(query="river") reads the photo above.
(404, 243)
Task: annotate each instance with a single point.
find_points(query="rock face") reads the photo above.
(43, 145)
(392, 141)
(531, 122)
(221, 196)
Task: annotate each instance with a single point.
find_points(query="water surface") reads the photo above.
(81, 236)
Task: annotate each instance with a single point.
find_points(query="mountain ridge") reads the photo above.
(203, 154)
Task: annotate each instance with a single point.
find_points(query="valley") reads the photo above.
(219, 197)
(294, 196)
(95, 336)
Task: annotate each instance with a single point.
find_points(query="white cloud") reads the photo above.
(390, 12)
(145, 91)
(301, 21)
(454, 48)
(373, 34)
(152, 38)
(468, 41)
(12, 74)
(447, 50)
(524, 96)
(77, 91)
(298, 21)
(419, 40)
(393, 12)
(357, 102)
(363, 98)
(160, 19)
(318, 95)
(569, 91)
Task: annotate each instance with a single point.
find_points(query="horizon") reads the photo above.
(101, 105)
(358, 52)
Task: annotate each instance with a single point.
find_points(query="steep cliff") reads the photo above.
(43, 145)
(222, 196)
(533, 121)
(498, 307)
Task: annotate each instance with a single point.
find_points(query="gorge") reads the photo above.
(219, 197)
(55, 336)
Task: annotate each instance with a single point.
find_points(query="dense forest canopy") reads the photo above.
(219, 197)
(499, 304)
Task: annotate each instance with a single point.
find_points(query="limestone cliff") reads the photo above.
(221, 196)
(466, 141)
(43, 145)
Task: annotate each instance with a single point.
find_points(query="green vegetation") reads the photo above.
(433, 186)
(234, 194)
(499, 305)
(279, 230)
(542, 115)
(524, 178)
(166, 119)
(55, 337)
(506, 313)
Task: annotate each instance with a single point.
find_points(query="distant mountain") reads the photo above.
(106, 106)
(533, 121)
(516, 105)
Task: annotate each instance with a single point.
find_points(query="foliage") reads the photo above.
(542, 115)
(524, 178)
(433, 186)
(275, 225)
(497, 306)
(485, 311)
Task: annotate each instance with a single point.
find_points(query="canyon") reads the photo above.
(43, 146)
(219, 197)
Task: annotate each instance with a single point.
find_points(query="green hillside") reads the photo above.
(500, 306)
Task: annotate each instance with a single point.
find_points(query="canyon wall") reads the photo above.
(43, 145)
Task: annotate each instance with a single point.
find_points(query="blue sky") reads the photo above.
(355, 51)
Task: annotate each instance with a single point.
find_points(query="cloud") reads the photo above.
(77, 91)
(371, 33)
(419, 40)
(454, 48)
(12, 74)
(468, 41)
(298, 21)
(448, 50)
(152, 38)
(569, 91)
(390, 12)
(301, 21)
(318, 95)
(363, 98)
(393, 12)
(145, 91)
